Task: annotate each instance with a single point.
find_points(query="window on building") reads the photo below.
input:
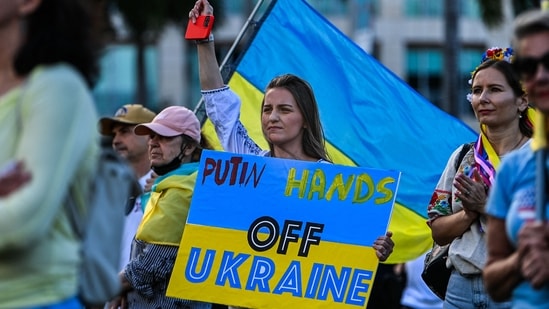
(424, 8)
(435, 8)
(117, 83)
(330, 7)
(424, 72)
(425, 69)
(239, 6)
(243, 7)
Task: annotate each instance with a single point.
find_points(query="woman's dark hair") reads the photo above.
(59, 31)
(513, 79)
(204, 144)
(313, 135)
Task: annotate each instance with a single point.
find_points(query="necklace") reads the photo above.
(518, 143)
(513, 148)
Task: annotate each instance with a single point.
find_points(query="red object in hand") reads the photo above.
(201, 29)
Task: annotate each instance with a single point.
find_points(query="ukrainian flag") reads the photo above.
(370, 116)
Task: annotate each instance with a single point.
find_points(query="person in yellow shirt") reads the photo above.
(12, 177)
(48, 121)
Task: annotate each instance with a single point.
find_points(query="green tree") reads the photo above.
(145, 20)
(491, 11)
(492, 16)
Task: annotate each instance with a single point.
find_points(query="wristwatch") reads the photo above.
(210, 38)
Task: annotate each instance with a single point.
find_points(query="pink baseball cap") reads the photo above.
(172, 121)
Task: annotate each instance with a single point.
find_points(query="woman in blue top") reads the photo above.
(518, 246)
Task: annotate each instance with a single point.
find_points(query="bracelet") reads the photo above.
(210, 38)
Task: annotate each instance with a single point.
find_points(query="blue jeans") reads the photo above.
(469, 293)
(70, 303)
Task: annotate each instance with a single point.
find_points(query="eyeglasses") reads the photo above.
(527, 67)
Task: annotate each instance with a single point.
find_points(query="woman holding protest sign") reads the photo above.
(457, 208)
(290, 119)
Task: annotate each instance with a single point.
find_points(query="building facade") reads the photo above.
(409, 37)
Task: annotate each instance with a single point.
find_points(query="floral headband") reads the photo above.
(494, 53)
(497, 53)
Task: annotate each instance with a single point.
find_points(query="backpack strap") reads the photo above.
(464, 150)
(76, 218)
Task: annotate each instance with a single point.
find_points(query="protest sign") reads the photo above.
(267, 232)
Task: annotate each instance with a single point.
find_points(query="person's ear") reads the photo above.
(190, 149)
(522, 104)
(28, 6)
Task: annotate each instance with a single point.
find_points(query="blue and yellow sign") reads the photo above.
(274, 233)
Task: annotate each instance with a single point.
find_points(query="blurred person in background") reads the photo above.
(12, 177)
(518, 244)
(133, 148)
(47, 120)
(416, 294)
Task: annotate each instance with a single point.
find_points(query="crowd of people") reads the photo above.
(487, 209)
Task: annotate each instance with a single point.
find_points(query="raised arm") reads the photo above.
(210, 77)
(222, 104)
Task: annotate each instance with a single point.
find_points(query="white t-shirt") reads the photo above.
(416, 294)
(130, 225)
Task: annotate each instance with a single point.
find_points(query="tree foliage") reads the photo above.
(491, 11)
(146, 17)
(145, 20)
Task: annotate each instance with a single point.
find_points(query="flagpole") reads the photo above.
(237, 40)
(541, 155)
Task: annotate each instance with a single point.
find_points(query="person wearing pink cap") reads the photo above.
(174, 151)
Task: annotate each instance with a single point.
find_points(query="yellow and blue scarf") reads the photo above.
(167, 206)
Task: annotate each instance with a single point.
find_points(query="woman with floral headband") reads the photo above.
(457, 208)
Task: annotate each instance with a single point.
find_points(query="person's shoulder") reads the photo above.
(182, 177)
(519, 158)
(524, 152)
(460, 152)
(61, 74)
